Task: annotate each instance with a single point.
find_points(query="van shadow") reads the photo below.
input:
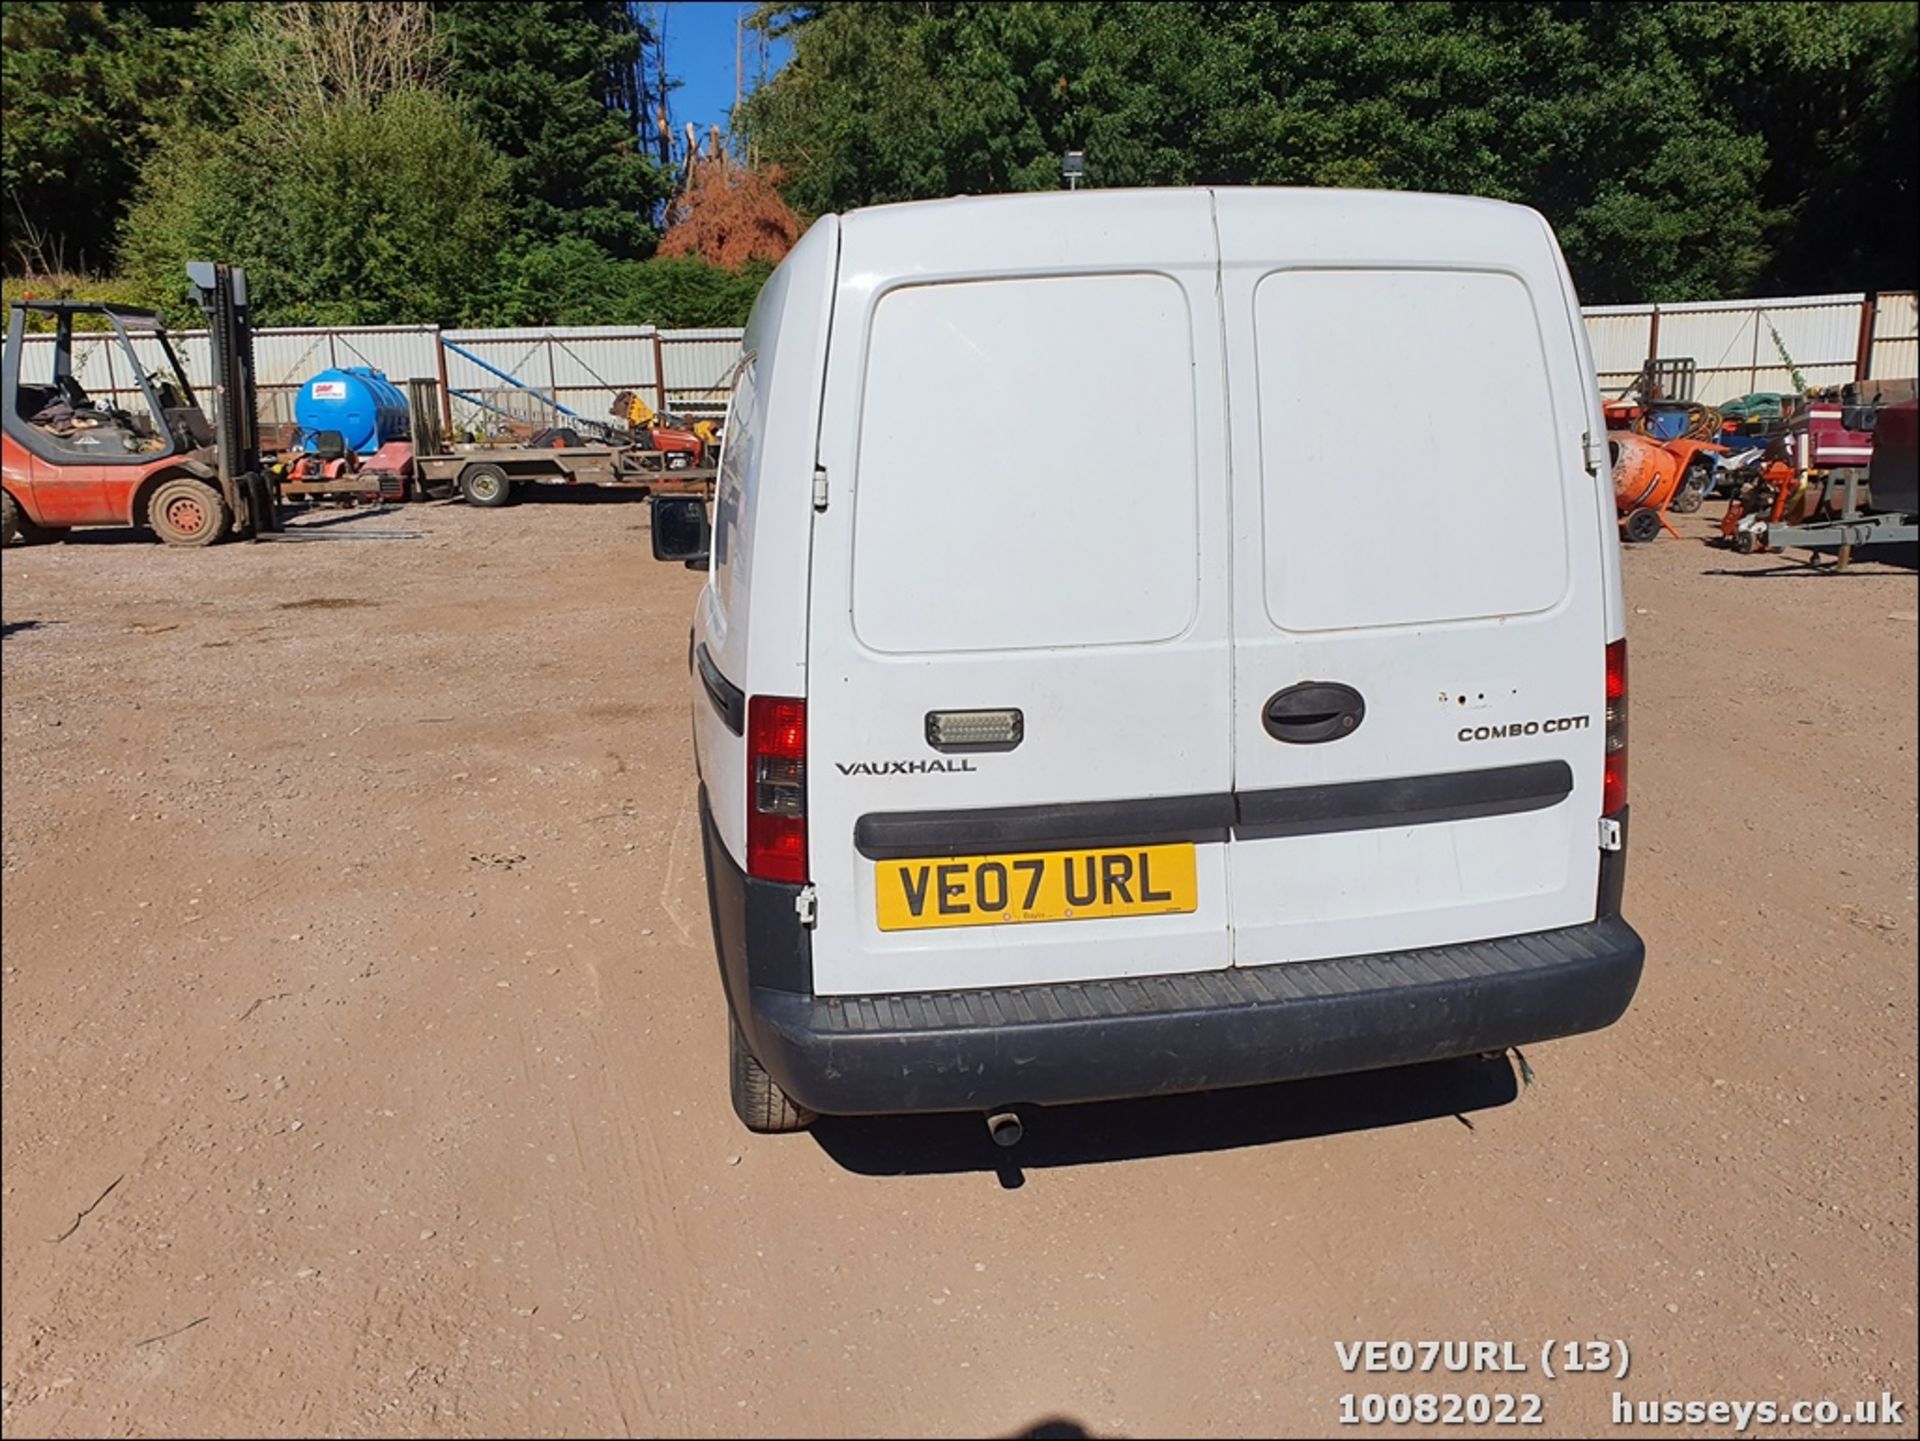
(1055, 1428)
(1168, 1125)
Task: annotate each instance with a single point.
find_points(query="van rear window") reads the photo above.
(1413, 469)
(1026, 474)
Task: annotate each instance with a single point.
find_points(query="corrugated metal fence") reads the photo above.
(577, 369)
(1743, 346)
(1737, 346)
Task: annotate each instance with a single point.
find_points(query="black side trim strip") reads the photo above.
(1405, 800)
(727, 697)
(1295, 811)
(1090, 823)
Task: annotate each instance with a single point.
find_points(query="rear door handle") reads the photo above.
(1314, 711)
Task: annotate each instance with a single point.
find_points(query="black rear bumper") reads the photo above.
(1153, 1035)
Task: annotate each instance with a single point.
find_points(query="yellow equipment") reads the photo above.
(631, 406)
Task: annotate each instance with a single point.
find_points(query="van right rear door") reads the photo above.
(1419, 622)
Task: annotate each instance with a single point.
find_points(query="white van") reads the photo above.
(1157, 640)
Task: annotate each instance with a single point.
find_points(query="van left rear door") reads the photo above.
(1026, 480)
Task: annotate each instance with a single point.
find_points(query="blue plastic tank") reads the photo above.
(358, 401)
(1667, 424)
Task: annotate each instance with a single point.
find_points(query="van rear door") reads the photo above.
(1419, 623)
(1018, 763)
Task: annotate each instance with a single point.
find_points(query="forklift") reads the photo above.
(69, 458)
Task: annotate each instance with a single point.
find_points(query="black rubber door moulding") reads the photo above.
(901, 834)
(1293, 811)
(1407, 801)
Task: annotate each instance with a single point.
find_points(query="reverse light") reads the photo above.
(975, 730)
(777, 789)
(1613, 790)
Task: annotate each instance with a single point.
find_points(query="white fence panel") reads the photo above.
(584, 367)
(101, 366)
(1733, 342)
(1618, 336)
(1723, 345)
(284, 360)
(581, 369)
(1895, 353)
(699, 366)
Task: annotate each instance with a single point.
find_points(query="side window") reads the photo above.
(1027, 473)
(739, 460)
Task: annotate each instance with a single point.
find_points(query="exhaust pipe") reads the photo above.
(1005, 1128)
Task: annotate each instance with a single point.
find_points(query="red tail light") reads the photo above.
(777, 789)
(1613, 790)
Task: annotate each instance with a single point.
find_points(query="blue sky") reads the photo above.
(700, 56)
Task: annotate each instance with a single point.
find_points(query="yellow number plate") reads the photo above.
(1043, 886)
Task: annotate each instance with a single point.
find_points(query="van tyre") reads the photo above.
(757, 1098)
(485, 485)
(188, 512)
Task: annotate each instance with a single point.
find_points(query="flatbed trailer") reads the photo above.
(486, 475)
(426, 464)
(1848, 522)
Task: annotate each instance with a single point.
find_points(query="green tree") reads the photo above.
(1832, 90)
(691, 293)
(559, 89)
(1672, 146)
(87, 86)
(385, 214)
(573, 282)
(570, 281)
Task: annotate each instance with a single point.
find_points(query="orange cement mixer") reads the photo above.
(1652, 476)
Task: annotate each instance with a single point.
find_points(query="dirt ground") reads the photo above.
(364, 1052)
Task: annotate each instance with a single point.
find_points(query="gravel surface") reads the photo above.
(364, 1058)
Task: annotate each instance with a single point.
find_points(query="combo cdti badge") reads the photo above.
(1120, 671)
